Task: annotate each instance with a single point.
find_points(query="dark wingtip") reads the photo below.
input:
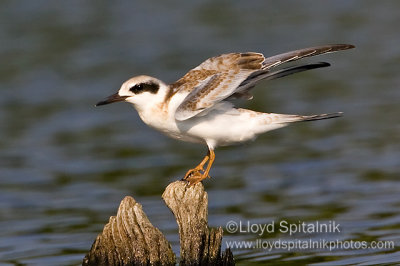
(345, 46)
(100, 103)
(334, 115)
(323, 64)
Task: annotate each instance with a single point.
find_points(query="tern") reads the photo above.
(198, 108)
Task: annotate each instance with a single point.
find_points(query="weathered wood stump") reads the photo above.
(130, 238)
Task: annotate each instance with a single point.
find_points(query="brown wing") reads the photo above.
(223, 63)
(214, 80)
(220, 77)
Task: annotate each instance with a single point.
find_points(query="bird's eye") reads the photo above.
(138, 88)
(151, 87)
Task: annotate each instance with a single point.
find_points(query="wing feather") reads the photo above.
(244, 88)
(225, 73)
(276, 60)
(222, 76)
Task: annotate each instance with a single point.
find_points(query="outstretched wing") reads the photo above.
(214, 80)
(298, 54)
(234, 74)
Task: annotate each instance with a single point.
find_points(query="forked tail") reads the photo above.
(283, 118)
(320, 117)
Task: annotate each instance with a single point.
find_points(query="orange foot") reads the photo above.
(195, 178)
(197, 174)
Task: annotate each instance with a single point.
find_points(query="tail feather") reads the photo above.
(283, 118)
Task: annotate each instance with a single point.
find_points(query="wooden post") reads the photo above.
(130, 238)
(199, 245)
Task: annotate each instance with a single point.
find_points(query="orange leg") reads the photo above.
(194, 175)
(211, 156)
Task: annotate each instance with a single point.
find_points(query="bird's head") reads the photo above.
(141, 91)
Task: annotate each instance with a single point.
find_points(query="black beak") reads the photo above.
(112, 99)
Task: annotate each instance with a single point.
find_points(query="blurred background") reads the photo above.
(66, 165)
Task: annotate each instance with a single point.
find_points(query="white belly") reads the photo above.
(216, 128)
(221, 129)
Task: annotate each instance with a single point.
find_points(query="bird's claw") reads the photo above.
(193, 172)
(194, 176)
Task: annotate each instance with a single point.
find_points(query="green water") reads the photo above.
(65, 165)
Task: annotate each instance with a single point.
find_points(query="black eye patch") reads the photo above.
(151, 87)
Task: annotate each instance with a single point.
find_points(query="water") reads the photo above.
(66, 165)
